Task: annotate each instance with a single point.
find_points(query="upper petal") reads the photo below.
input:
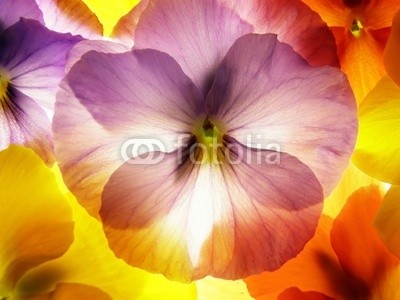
(294, 23)
(12, 10)
(268, 96)
(121, 99)
(247, 215)
(198, 46)
(70, 16)
(29, 234)
(377, 150)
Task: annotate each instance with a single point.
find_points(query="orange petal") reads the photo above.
(36, 220)
(361, 58)
(361, 252)
(379, 13)
(316, 268)
(333, 12)
(387, 221)
(392, 57)
(295, 293)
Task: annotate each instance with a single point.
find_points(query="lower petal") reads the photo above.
(211, 219)
(295, 293)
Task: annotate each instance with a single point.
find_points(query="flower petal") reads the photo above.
(124, 30)
(295, 293)
(35, 58)
(215, 288)
(377, 150)
(387, 220)
(316, 268)
(360, 250)
(122, 100)
(379, 14)
(268, 96)
(199, 46)
(29, 234)
(89, 261)
(70, 16)
(299, 26)
(391, 57)
(68, 291)
(187, 221)
(12, 10)
(23, 122)
(333, 12)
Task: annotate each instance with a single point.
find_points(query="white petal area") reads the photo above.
(70, 16)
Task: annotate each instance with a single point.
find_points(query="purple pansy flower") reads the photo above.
(32, 62)
(216, 199)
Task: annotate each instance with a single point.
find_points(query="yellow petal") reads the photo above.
(89, 261)
(110, 11)
(387, 221)
(36, 220)
(351, 181)
(377, 149)
(210, 288)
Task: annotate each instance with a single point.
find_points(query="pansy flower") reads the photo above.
(346, 259)
(361, 29)
(32, 61)
(62, 254)
(251, 138)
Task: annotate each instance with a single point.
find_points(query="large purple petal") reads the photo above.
(196, 33)
(23, 122)
(12, 10)
(110, 99)
(251, 213)
(266, 94)
(34, 57)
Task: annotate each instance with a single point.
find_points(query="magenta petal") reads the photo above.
(196, 33)
(294, 23)
(34, 57)
(110, 99)
(12, 10)
(23, 122)
(267, 95)
(226, 220)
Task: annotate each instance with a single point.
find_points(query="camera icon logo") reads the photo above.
(143, 151)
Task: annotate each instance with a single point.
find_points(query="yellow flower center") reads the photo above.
(4, 87)
(209, 136)
(356, 27)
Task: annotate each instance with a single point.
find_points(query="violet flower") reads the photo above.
(216, 199)
(32, 61)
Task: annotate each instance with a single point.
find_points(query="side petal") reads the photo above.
(89, 261)
(12, 10)
(358, 246)
(267, 96)
(29, 234)
(135, 98)
(35, 58)
(379, 14)
(299, 26)
(187, 221)
(387, 220)
(333, 12)
(198, 47)
(391, 58)
(70, 16)
(377, 150)
(24, 122)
